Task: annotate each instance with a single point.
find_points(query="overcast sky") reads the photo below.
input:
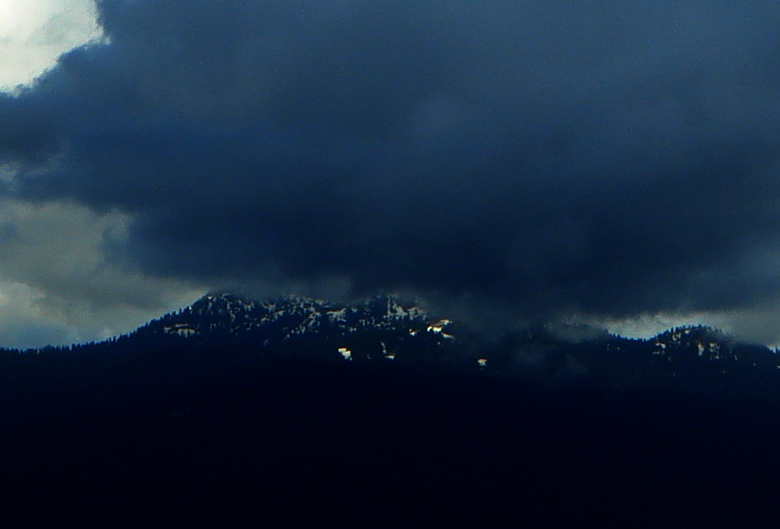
(603, 161)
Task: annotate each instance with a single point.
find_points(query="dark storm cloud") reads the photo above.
(593, 156)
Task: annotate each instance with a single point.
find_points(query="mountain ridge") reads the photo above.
(217, 421)
(382, 329)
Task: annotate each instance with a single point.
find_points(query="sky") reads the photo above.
(503, 162)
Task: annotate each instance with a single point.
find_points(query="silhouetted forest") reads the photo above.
(223, 434)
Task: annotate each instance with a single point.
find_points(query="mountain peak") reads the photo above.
(381, 325)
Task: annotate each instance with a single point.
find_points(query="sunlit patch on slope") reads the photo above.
(345, 353)
(438, 328)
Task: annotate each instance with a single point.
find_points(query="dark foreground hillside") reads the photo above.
(215, 437)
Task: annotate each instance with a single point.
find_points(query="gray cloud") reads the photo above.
(592, 158)
(57, 284)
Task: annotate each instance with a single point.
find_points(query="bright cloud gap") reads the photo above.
(34, 33)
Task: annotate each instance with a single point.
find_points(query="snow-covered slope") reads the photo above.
(378, 327)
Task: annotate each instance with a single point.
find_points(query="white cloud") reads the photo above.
(33, 33)
(756, 324)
